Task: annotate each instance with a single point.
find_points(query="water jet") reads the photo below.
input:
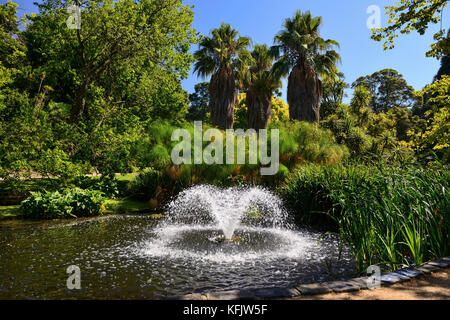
(185, 251)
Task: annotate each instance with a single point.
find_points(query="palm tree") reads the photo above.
(333, 92)
(259, 82)
(307, 56)
(360, 102)
(219, 56)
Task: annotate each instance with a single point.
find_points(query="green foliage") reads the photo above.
(361, 100)
(240, 112)
(145, 185)
(385, 214)
(55, 163)
(370, 136)
(303, 54)
(219, 56)
(299, 42)
(444, 69)
(72, 204)
(333, 87)
(199, 103)
(410, 15)
(307, 142)
(436, 136)
(388, 89)
(11, 48)
(110, 187)
(70, 99)
(123, 49)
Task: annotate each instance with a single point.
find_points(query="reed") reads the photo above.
(386, 215)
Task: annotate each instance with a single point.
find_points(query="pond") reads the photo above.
(139, 257)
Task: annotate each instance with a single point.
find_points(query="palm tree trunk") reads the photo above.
(304, 94)
(259, 109)
(223, 97)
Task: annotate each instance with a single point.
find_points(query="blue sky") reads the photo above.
(344, 21)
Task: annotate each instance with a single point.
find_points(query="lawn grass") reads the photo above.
(125, 206)
(126, 177)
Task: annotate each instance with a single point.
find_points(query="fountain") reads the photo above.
(238, 224)
(227, 209)
(211, 239)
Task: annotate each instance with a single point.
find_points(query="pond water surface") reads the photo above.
(131, 257)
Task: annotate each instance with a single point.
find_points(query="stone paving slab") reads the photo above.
(230, 295)
(359, 282)
(441, 263)
(342, 286)
(409, 273)
(313, 289)
(260, 293)
(354, 284)
(400, 275)
(275, 292)
(390, 279)
(427, 268)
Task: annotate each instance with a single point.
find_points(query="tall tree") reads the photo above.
(388, 89)
(11, 45)
(12, 64)
(119, 45)
(413, 15)
(444, 69)
(306, 56)
(360, 101)
(260, 84)
(199, 102)
(333, 93)
(131, 57)
(219, 56)
(436, 137)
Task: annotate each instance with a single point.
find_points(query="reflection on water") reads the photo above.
(127, 257)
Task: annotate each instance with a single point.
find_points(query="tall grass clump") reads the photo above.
(386, 215)
(302, 142)
(299, 143)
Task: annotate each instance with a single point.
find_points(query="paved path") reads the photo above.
(431, 287)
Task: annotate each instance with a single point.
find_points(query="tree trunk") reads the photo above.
(304, 94)
(223, 97)
(259, 109)
(80, 102)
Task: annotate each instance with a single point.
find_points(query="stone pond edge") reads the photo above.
(301, 290)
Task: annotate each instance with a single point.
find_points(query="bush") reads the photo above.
(72, 204)
(306, 142)
(388, 215)
(145, 185)
(56, 163)
(110, 187)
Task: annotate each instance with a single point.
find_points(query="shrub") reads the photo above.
(144, 186)
(306, 142)
(110, 187)
(72, 204)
